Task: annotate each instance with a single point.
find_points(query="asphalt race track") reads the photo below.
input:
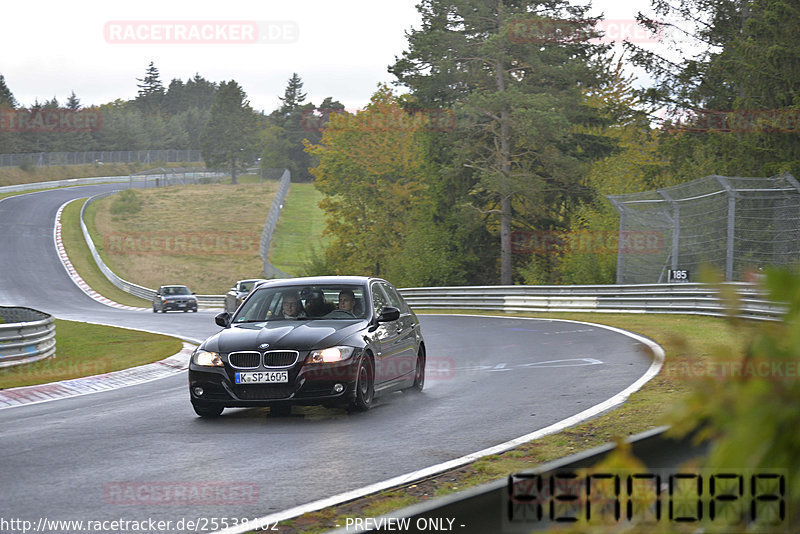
(140, 452)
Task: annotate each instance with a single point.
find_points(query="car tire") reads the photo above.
(365, 387)
(207, 410)
(419, 372)
(154, 309)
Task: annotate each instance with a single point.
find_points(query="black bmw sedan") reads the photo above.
(332, 340)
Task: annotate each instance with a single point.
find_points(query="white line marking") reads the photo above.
(73, 274)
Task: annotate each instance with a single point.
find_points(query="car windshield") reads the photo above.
(303, 302)
(177, 290)
(245, 287)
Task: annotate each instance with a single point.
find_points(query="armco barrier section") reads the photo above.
(694, 299)
(26, 335)
(169, 176)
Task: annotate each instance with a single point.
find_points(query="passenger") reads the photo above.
(347, 301)
(291, 308)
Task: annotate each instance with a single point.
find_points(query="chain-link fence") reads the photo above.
(738, 225)
(81, 158)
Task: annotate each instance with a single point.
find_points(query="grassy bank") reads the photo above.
(87, 349)
(299, 229)
(685, 339)
(203, 236)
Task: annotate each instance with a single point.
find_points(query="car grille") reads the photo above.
(244, 360)
(278, 391)
(280, 358)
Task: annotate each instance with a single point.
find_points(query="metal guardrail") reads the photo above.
(26, 335)
(683, 298)
(164, 177)
(64, 183)
(270, 271)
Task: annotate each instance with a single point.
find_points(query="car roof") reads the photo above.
(175, 285)
(318, 280)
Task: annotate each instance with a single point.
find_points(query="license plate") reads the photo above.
(265, 377)
(181, 305)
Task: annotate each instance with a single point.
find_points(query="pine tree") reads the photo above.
(293, 97)
(231, 134)
(6, 97)
(515, 80)
(73, 102)
(150, 98)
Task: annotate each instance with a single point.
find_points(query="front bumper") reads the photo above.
(179, 306)
(308, 385)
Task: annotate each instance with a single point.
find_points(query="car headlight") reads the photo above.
(207, 359)
(330, 355)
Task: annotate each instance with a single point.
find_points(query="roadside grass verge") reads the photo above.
(203, 236)
(81, 258)
(298, 233)
(84, 349)
(688, 342)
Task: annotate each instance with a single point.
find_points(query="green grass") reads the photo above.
(86, 349)
(81, 258)
(684, 339)
(299, 229)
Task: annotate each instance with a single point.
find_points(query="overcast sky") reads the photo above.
(98, 49)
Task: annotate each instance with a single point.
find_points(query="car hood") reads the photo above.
(289, 335)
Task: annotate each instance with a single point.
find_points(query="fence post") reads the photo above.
(731, 226)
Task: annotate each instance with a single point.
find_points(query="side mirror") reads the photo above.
(388, 314)
(223, 319)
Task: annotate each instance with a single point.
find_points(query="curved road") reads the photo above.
(134, 453)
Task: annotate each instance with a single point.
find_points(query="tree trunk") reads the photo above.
(504, 163)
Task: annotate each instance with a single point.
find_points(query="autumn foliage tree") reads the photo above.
(372, 172)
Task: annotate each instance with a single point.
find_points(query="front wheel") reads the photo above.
(207, 411)
(365, 387)
(419, 372)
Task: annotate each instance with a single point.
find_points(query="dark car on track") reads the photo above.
(178, 298)
(333, 341)
(238, 292)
